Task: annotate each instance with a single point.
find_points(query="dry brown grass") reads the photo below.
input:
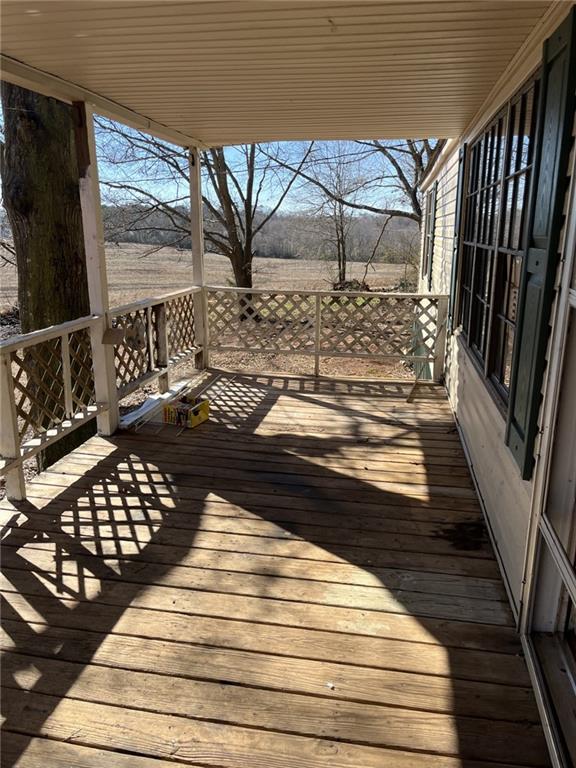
(133, 275)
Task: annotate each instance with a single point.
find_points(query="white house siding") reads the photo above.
(506, 497)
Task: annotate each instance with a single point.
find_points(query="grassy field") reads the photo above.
(134, 275)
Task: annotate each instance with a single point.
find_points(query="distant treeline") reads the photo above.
(285, 236)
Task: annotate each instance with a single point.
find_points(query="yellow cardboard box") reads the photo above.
(188, 412)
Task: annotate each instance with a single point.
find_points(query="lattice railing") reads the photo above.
(261, 321)
(181, 327)
(53, 380)
(47, 387)
(49, 378)
(134, 354)
(406, 327)
(387, 326)
(153, 335)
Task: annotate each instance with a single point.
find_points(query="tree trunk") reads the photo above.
(41, 197)
(242, 267)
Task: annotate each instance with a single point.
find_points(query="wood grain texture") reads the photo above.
(283, 599)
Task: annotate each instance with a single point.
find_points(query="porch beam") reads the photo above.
(93, 228)
(197, 234)
(33, 79)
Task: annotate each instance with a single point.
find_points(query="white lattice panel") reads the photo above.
(388, 326)
(261, 322)
(132, 356)
(38, 383)
(81, 371)
(181, 331)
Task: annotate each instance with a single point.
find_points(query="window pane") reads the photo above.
(515, 138)
(505, 311)
(501, 148)
(480, 299)
(557, 656)
(517, 213)
(570, 630)
(507, 361)
(508, 202)
(526, 157)
(495, 215)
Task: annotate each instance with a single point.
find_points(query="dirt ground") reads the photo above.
(133, 275)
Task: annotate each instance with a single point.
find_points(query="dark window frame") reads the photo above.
(511, 250)
(481, 296)
(429, 233)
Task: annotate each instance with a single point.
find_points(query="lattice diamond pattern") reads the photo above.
(380, 325)
(132, 356)
(181, 331)
(38, 387)
(273, 322)
(81, 370)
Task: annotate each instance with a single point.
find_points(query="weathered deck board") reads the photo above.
(305, 581)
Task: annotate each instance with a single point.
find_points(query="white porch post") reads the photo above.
(197, 232)
(102, 354)
(9, 436)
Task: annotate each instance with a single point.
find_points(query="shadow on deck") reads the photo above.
(305, 580)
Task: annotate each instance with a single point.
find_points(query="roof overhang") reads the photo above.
(224, 72)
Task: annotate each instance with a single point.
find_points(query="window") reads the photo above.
(511, 247)
(481, 232)
(493, 234)
(429, 232)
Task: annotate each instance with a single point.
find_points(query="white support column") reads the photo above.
(197, 232)
(9, 437)
(102, 354)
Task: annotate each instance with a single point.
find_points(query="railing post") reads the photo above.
(197, 233)
(440, 341)
(66, 374)
(9, 437)
(317, 320)
(102, 354)
(162, 348)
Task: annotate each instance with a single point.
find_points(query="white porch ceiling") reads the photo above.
(225, 72)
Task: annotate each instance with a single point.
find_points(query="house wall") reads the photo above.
(505, 496)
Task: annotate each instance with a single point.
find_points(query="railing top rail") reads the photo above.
(153, 300)
(305, 291)
(45, 334)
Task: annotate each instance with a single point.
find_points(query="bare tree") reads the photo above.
(244, 189)
(335, 179)
(393, 173)
(41, 196)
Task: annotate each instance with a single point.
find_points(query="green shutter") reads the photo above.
(433, 199)
(457, 231)
(545, 223)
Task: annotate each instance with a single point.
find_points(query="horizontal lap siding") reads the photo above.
(506, 497)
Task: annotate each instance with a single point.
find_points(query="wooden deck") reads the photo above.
(305, 581)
